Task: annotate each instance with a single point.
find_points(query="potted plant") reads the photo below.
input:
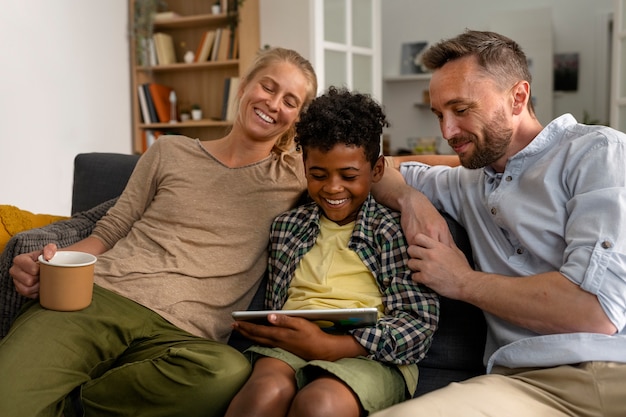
(196, 112)
(185, 114)
(143, 27)
(216, 8)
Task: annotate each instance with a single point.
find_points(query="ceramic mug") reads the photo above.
(66, 281)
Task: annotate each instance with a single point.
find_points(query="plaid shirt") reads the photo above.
(411, 311)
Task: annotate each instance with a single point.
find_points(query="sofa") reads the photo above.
(99, 178)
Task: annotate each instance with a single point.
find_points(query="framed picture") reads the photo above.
(566, 72)
(412, 58)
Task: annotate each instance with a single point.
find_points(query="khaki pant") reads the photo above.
(122, 358)
(590, 389)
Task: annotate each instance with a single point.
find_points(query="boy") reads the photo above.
(344, 250)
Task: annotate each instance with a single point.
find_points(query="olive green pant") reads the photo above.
(120, 359)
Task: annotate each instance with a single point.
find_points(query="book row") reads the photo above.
(218, 44)
(158, 103)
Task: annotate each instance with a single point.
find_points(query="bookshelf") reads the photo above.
(196, 82)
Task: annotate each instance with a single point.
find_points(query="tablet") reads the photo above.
(343, 318)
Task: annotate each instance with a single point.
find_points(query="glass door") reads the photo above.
(349, 51)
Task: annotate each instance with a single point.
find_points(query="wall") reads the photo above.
(67, 62)
(65, 89)
(578, 25)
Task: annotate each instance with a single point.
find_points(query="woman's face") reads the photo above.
(271, 102)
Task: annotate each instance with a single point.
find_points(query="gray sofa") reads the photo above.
(457, 349)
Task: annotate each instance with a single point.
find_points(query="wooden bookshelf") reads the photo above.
(197, 82)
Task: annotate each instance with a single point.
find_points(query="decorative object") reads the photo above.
(189, 57)
(216, 8)
(411, 62)
(173, 99)
(196, 112)
(566, 72)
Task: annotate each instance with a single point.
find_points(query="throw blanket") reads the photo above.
(63, 233)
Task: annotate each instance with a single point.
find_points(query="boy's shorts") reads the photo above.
(377, 385)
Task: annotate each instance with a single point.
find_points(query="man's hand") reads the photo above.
(25, 270)
(418, 213)
(419, 216)
(300, 337)
(440, 267)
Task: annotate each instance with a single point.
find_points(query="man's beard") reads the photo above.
(496, 140)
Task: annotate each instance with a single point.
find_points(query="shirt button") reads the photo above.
(494, 211)
(607, 245)
(509, 178)
(520, 251)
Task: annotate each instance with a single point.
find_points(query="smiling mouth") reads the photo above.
(335, 202)
(264, 116)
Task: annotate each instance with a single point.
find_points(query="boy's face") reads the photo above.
(340, 180)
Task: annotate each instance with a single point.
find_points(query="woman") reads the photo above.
(184, 246)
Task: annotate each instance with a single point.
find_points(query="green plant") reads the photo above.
(233, 15)
(195, 106)
(143, 26)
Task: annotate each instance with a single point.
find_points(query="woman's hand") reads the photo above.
(25, 270)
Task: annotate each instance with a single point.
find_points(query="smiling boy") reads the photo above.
(343, 250)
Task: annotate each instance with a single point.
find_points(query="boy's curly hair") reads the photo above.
(341, 116)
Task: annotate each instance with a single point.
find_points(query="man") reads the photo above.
(545, 209)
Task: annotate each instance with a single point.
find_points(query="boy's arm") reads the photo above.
(411, 311)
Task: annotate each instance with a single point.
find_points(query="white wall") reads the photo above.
(64, 89)
(579, 26)
(67, 60)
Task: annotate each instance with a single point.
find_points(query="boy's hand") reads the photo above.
(301, 337)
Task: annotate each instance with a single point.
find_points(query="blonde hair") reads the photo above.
(271, 56)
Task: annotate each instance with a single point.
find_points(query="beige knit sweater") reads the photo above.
(189, 236)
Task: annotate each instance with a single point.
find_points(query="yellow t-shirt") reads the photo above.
(331, 275)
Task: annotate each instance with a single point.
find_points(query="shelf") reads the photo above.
(201, 83)
(405, 78)
(187, 124)
(181, 66)
(184, 22)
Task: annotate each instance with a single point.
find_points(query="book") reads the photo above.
(225, 97)
(164, 48)
(233, 89)
(216, 43)
(161, 98)
(224, 45)
(150, 136)
(152, 114)
(234, 48)
(143, 104)
(204, 48)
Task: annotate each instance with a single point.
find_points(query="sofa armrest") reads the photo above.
(63, 233)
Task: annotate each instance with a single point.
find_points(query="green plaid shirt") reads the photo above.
(404, 333)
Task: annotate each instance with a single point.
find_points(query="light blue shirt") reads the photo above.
(560, 205)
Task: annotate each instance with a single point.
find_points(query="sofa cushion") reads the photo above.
(459, 343)
(14, 220)
(99, 177)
